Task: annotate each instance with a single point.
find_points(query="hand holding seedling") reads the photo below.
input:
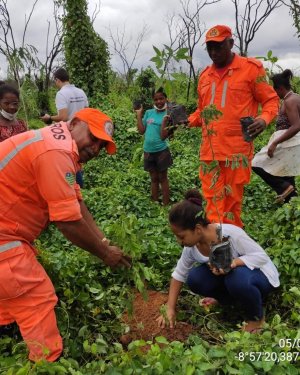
(167, 317)
(116, 258)
(256, 127)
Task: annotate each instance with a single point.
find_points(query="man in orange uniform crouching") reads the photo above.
(236, 86)
(37, 185)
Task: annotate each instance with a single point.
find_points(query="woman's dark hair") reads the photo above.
(7, 89)
(189, 212)
(61, 74)
(282, 79)
(159, 91)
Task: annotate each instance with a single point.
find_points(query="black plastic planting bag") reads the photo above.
(177, 113)
(245, 122)
(220, 255)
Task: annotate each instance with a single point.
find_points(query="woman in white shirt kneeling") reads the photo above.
(252, 277)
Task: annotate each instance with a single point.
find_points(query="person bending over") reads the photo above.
(37, 186)
(252, 277)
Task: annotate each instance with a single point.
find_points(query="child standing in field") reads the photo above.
(157, 156)
(252, 277)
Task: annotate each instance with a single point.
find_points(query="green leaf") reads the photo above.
(217, 353)
(157, 51)
(86, 346)
(95, 290)
(276, 320)
(161, 340)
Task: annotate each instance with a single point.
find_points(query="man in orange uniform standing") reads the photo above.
(37, 185)
(236, 86)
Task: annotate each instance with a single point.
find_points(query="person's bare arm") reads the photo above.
(292, 111)
(139, 117)
(90, 220)
(62, 115)
(175, 287)
(264, 94)
(85, 234)
(164, 127)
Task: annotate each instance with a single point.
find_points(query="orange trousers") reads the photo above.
(27, 297)
(224, 197)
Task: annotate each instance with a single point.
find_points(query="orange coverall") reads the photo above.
(37, 184)
(237, 93)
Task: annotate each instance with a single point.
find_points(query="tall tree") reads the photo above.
(192, 27)
(249, 18)
(185, 30)
(44, 66)
(17, 55)
(25, 59)
(294, 6)
(120, 46)
(86, 53)
(53, 45)
(191, 30)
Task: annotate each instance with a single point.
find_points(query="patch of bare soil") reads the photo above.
(143, 323)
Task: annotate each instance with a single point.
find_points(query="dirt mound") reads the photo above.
(143, 323)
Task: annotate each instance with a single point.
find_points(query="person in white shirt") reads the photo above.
(69, 100)
(252, 277)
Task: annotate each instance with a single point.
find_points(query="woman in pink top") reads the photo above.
(9, 105)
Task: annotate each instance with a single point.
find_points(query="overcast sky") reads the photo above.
(276, 34)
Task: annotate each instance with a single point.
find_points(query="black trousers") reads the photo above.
(277, 183)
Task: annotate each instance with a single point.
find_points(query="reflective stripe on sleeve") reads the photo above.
(213, 92)
(9, 245)
(224, 94)
(37, 137)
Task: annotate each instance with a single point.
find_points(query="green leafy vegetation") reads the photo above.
(93, 297)
(86, 53)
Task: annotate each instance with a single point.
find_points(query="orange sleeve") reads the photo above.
(194, 119)
(56, 181)
(266, 95)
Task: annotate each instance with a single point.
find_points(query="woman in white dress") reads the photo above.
(279, 162)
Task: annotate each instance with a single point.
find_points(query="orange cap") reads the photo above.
(218, 33)
(100, 126)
